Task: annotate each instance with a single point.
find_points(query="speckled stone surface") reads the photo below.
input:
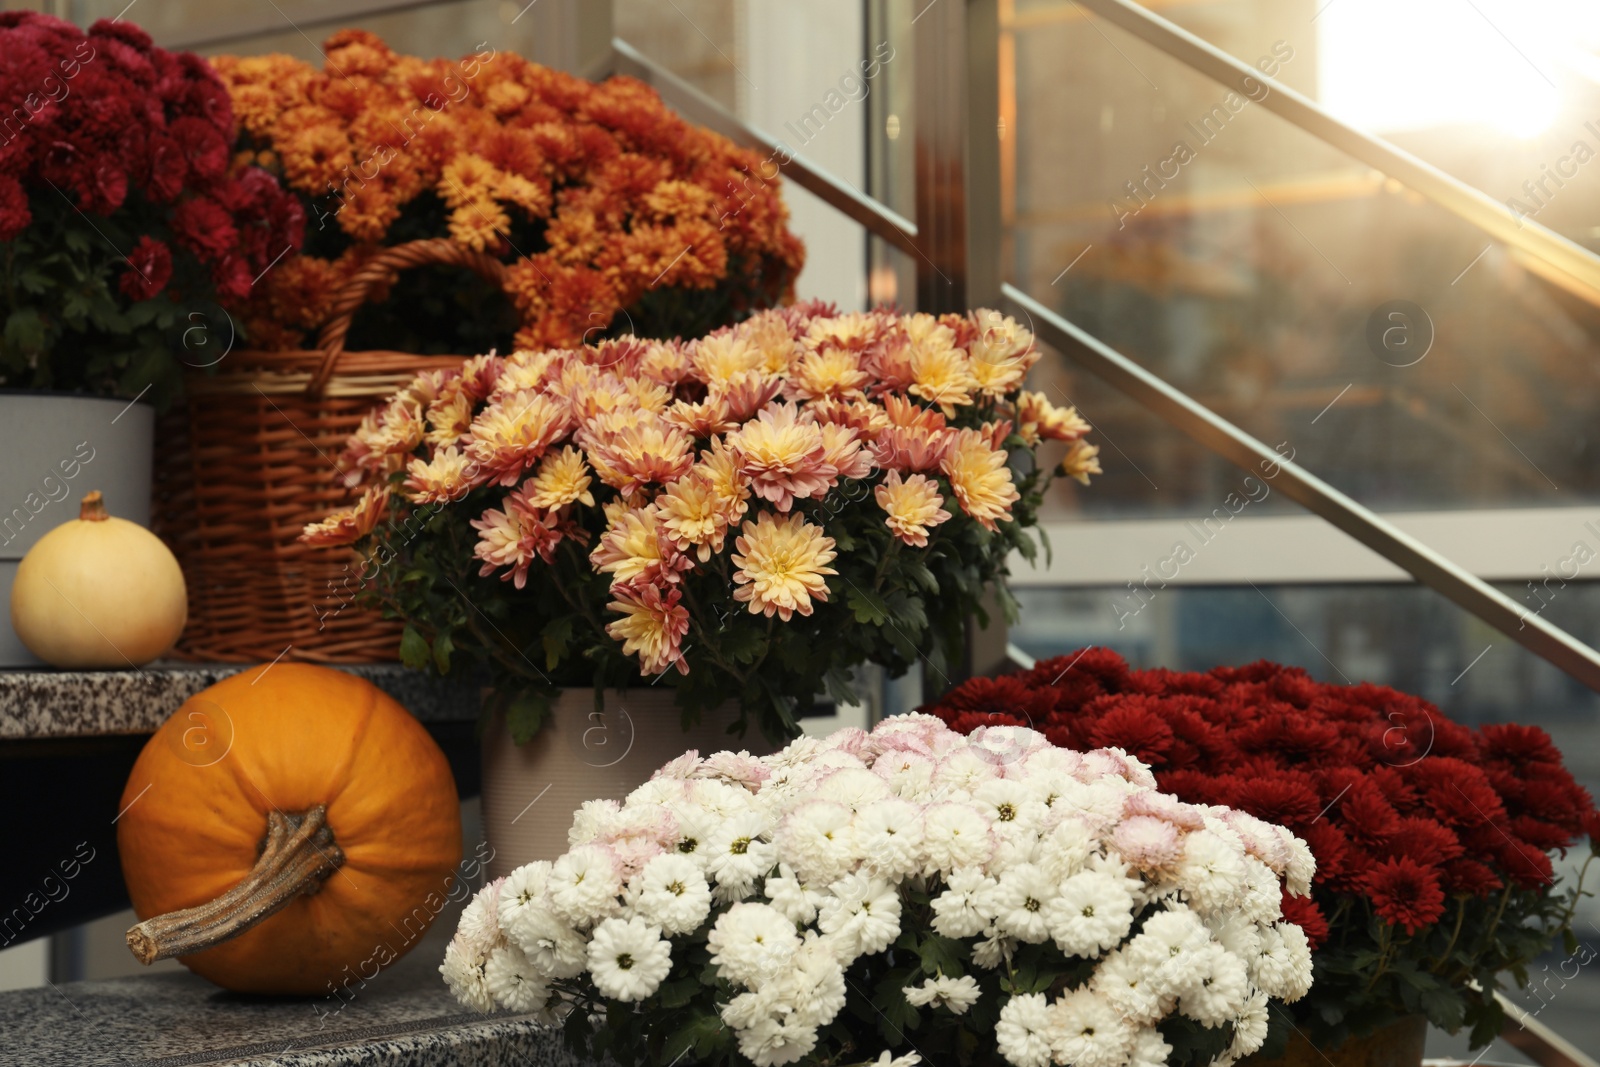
(403, 1017)
(36, 704)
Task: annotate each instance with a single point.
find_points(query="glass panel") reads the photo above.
(698, 40)
(1398, 635)
(1401, 355)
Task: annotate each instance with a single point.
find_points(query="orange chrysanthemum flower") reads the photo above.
(446, 477)
(694, 515)
(1039, 420)
(514, 538)
(635, 551)
(1001, 354)
(512, 433)
(652, 627)
(782, 565)
(834, 372)
(351, 525)
(562, 479)
(980, 478)
(913, 507)
(651, 451)
(1082, 460)
(783, 456)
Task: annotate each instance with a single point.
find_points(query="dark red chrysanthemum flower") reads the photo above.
(1367, 815)
(1517, 744)
(1470, 877)
(1286, 798)
(14, 213)
(1424, 840)
(1304, 913)
(149, 269)
(1405, 893)
(1135, 726)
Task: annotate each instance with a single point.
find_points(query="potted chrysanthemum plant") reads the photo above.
(900, 896)
(1433, 842)
(124, 221)
(722, 527)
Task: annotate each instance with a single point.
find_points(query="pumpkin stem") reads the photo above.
(93, 507)
(297, 856)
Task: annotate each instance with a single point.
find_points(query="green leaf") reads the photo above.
(25, 330)
(556, 635)
(525, 714)
(940, 955)
(868, 610)
(414, 651)
(442, 647)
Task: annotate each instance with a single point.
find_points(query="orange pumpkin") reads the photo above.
(286, 829)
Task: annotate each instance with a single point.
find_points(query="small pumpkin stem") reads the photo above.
(93, 507)
(297, 856)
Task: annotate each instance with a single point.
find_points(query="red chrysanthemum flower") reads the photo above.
(1304, 913)
(1405, 893)
(149, 269)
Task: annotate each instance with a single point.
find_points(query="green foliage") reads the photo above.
(66, 326)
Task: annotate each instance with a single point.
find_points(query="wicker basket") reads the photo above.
(249, 459)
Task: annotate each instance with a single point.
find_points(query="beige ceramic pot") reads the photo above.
(1400, 1044)
(530, 791)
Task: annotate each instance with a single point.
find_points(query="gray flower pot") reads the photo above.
(54, 448)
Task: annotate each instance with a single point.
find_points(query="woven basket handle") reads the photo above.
(380, 270)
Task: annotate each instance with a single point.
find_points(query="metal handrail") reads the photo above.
(1235, 445)
(697, 107)
(1473, 205)
(1537, 1041)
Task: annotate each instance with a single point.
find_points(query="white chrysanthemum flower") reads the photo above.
(888, 836)
(993, 950)
(1024, 844)
(961, 773)
(594, 820)
(720, 799)
(1212, 871)
(818, 840)
(1262, 900)
(480, 919)
(1250, 1028)
(1010, 804)
(1087, 1031)
(464, 969)
(1302, 865)
(1282, 964)
(694, 830)
(1099, 803)
(794, 896)
(672, 893)
(1022, 900)
(910, 1059)
(737, 856)
(1024, 1030)
(796, 753)
(1127, 987)
(862, 913)
(523, 891)
(1091, 912)
(1150, 1049)
(909, 775)
(514, 982)
(955, 995)
(1217, 986)
(555, 948)
(814, 986)
(752, 944)
(628, 959)
(1237, 934)
(584, 885)
(1052, 760)
(955, 835)
(669, 793)
(1066, 848)
(1049, 785)
(855, 788)
(962, 909)
(770, 1043)
(1166, 946)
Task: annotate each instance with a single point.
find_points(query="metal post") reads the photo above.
(958, 201)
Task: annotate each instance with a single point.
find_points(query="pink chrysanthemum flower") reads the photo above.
(351, 525)
(511, 434)
(913, 507)
(514, 538)
(980, 478)
(782, 565)
(783, 456)
(652, 626)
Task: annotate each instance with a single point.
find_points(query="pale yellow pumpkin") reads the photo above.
(98, 591)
